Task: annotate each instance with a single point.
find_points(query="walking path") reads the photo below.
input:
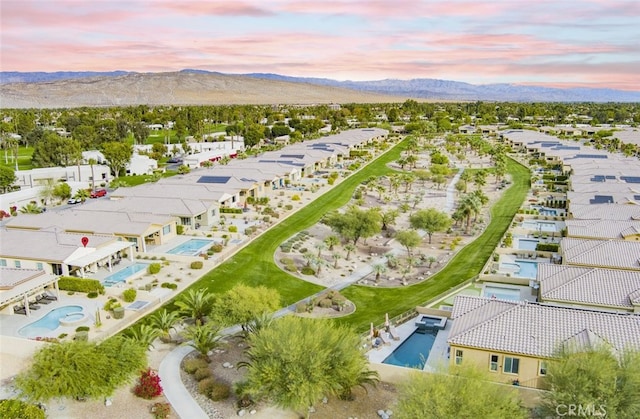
(451, 192)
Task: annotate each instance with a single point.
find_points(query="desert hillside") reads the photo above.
(178, 88)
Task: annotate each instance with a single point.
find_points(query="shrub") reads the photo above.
(547, 247)
(154, 268)
(92, 294)
(220, 391)
(202, 373)
(226, 210)
(81, 336)
(205, 386)
(148, 385)
(69, 283)
(111, 304)
(325, 303)
(288, 207)
(301, 307)
(198, 264)
(179, 229)
(161, 410)
(191, 365)
(169, 285)
(233, 229)
(295, 197)
(118, 313)
(13, 408)
(82, 329)
(308, 270)
(217, 248)
(129, 296)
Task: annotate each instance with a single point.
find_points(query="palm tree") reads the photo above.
(431, 260)
(379, 269)
(164, 321)
(196, 305)
(392, 260)
(480, 179)
(468, 205)
(261, 321)
(466, 177)
(336, 257)
(203, 337)
(320, 246)
(31, 208)
(331, 241)
(319, 262)
(144, 334)
(349, 248)
(82, 194)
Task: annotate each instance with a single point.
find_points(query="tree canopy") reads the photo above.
(355, 223)
(464, 393)
(55, 150)
(242, 304)
(430, 220)
(117, 154)
(295, 361)
(7, 177)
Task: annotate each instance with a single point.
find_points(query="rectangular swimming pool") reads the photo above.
(512, 294)
(540, 226)
(124, 274)
(527, 244)
(192, 247)
(414, 351)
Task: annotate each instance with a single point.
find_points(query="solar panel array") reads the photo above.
(630, 179)
(601, 199)
(214, 179)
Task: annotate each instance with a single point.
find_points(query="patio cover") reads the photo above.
(14, 286)
(100, 254)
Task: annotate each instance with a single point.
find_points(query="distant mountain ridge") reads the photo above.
(419, 88)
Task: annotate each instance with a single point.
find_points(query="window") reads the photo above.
(542, 368)
(493, 363)
(185, 221)
(511, 365)
(3, 262)
(39, 266)
(458, 356)
(17, 264)
(166, 229)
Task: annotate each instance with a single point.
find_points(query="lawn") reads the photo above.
(373, 303)
(24, 158)
(254, 265)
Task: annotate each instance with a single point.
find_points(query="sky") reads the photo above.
(559, 43)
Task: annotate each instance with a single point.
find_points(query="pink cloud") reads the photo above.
(224, 8)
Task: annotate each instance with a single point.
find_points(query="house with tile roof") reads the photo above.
(21, 285)
(604, 229)
(595, 288)
(621, 212)
(613, 254)
(514, 341)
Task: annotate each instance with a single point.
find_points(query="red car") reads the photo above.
(98, 193)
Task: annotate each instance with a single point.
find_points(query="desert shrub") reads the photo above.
(205, 386)
(220, 391)
(202, 373)
(295, 197)
(217, 248)
(69, 283)
(547, 247)
(111, 304)
(286, 261)
(129, 295)
(13, 408)
(288, 207)
(191, 365)
(325, 303)
(161, 410)
(301, 307)
(82, 329)
(233, 229)
(169, 285)
(92, 294)
(303, 250)
(82, 336)
(198, 264)
(179, 229)
(308, 270)
(154, 268)
(148, 385)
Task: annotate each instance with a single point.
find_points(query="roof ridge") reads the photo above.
(588, 271)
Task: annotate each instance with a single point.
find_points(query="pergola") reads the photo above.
(18, 285)
(102, 255)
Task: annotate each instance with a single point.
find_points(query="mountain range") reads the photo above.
(192, 86)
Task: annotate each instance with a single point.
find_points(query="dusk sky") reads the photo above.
(594, 43)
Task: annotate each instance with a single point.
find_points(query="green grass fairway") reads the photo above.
(24, 158)
(372, 303)
(254, 265)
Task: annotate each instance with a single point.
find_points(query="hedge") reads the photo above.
(547, 247)
(69, 283)
(226, 210)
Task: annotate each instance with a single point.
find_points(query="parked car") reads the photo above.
(74, 201)
(175, 160)
(98, 193)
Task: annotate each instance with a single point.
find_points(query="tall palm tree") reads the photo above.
(336, 257)
(144, 334)
(196, 305)
(82, 194)
(379, 269)
(331, 241)
(93, 175)
(349, 248)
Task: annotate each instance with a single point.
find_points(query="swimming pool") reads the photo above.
(512, 294)
(124, 274)
(521, 268)
(50, 321)
(192, 247)
(540, 226)
(527, 244)
(414, 351)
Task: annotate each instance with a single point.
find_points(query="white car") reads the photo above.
(73, 201)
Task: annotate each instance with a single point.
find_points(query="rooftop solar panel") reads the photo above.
(214, 179)
(591, 156)
(636, 197)
(630, 179)
(610, 177)
(598, 178)
(292, 156)
(601, 199)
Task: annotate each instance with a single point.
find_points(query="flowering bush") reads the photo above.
(148, 385)
(161, 410)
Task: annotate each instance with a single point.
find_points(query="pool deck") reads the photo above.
(437, 356)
